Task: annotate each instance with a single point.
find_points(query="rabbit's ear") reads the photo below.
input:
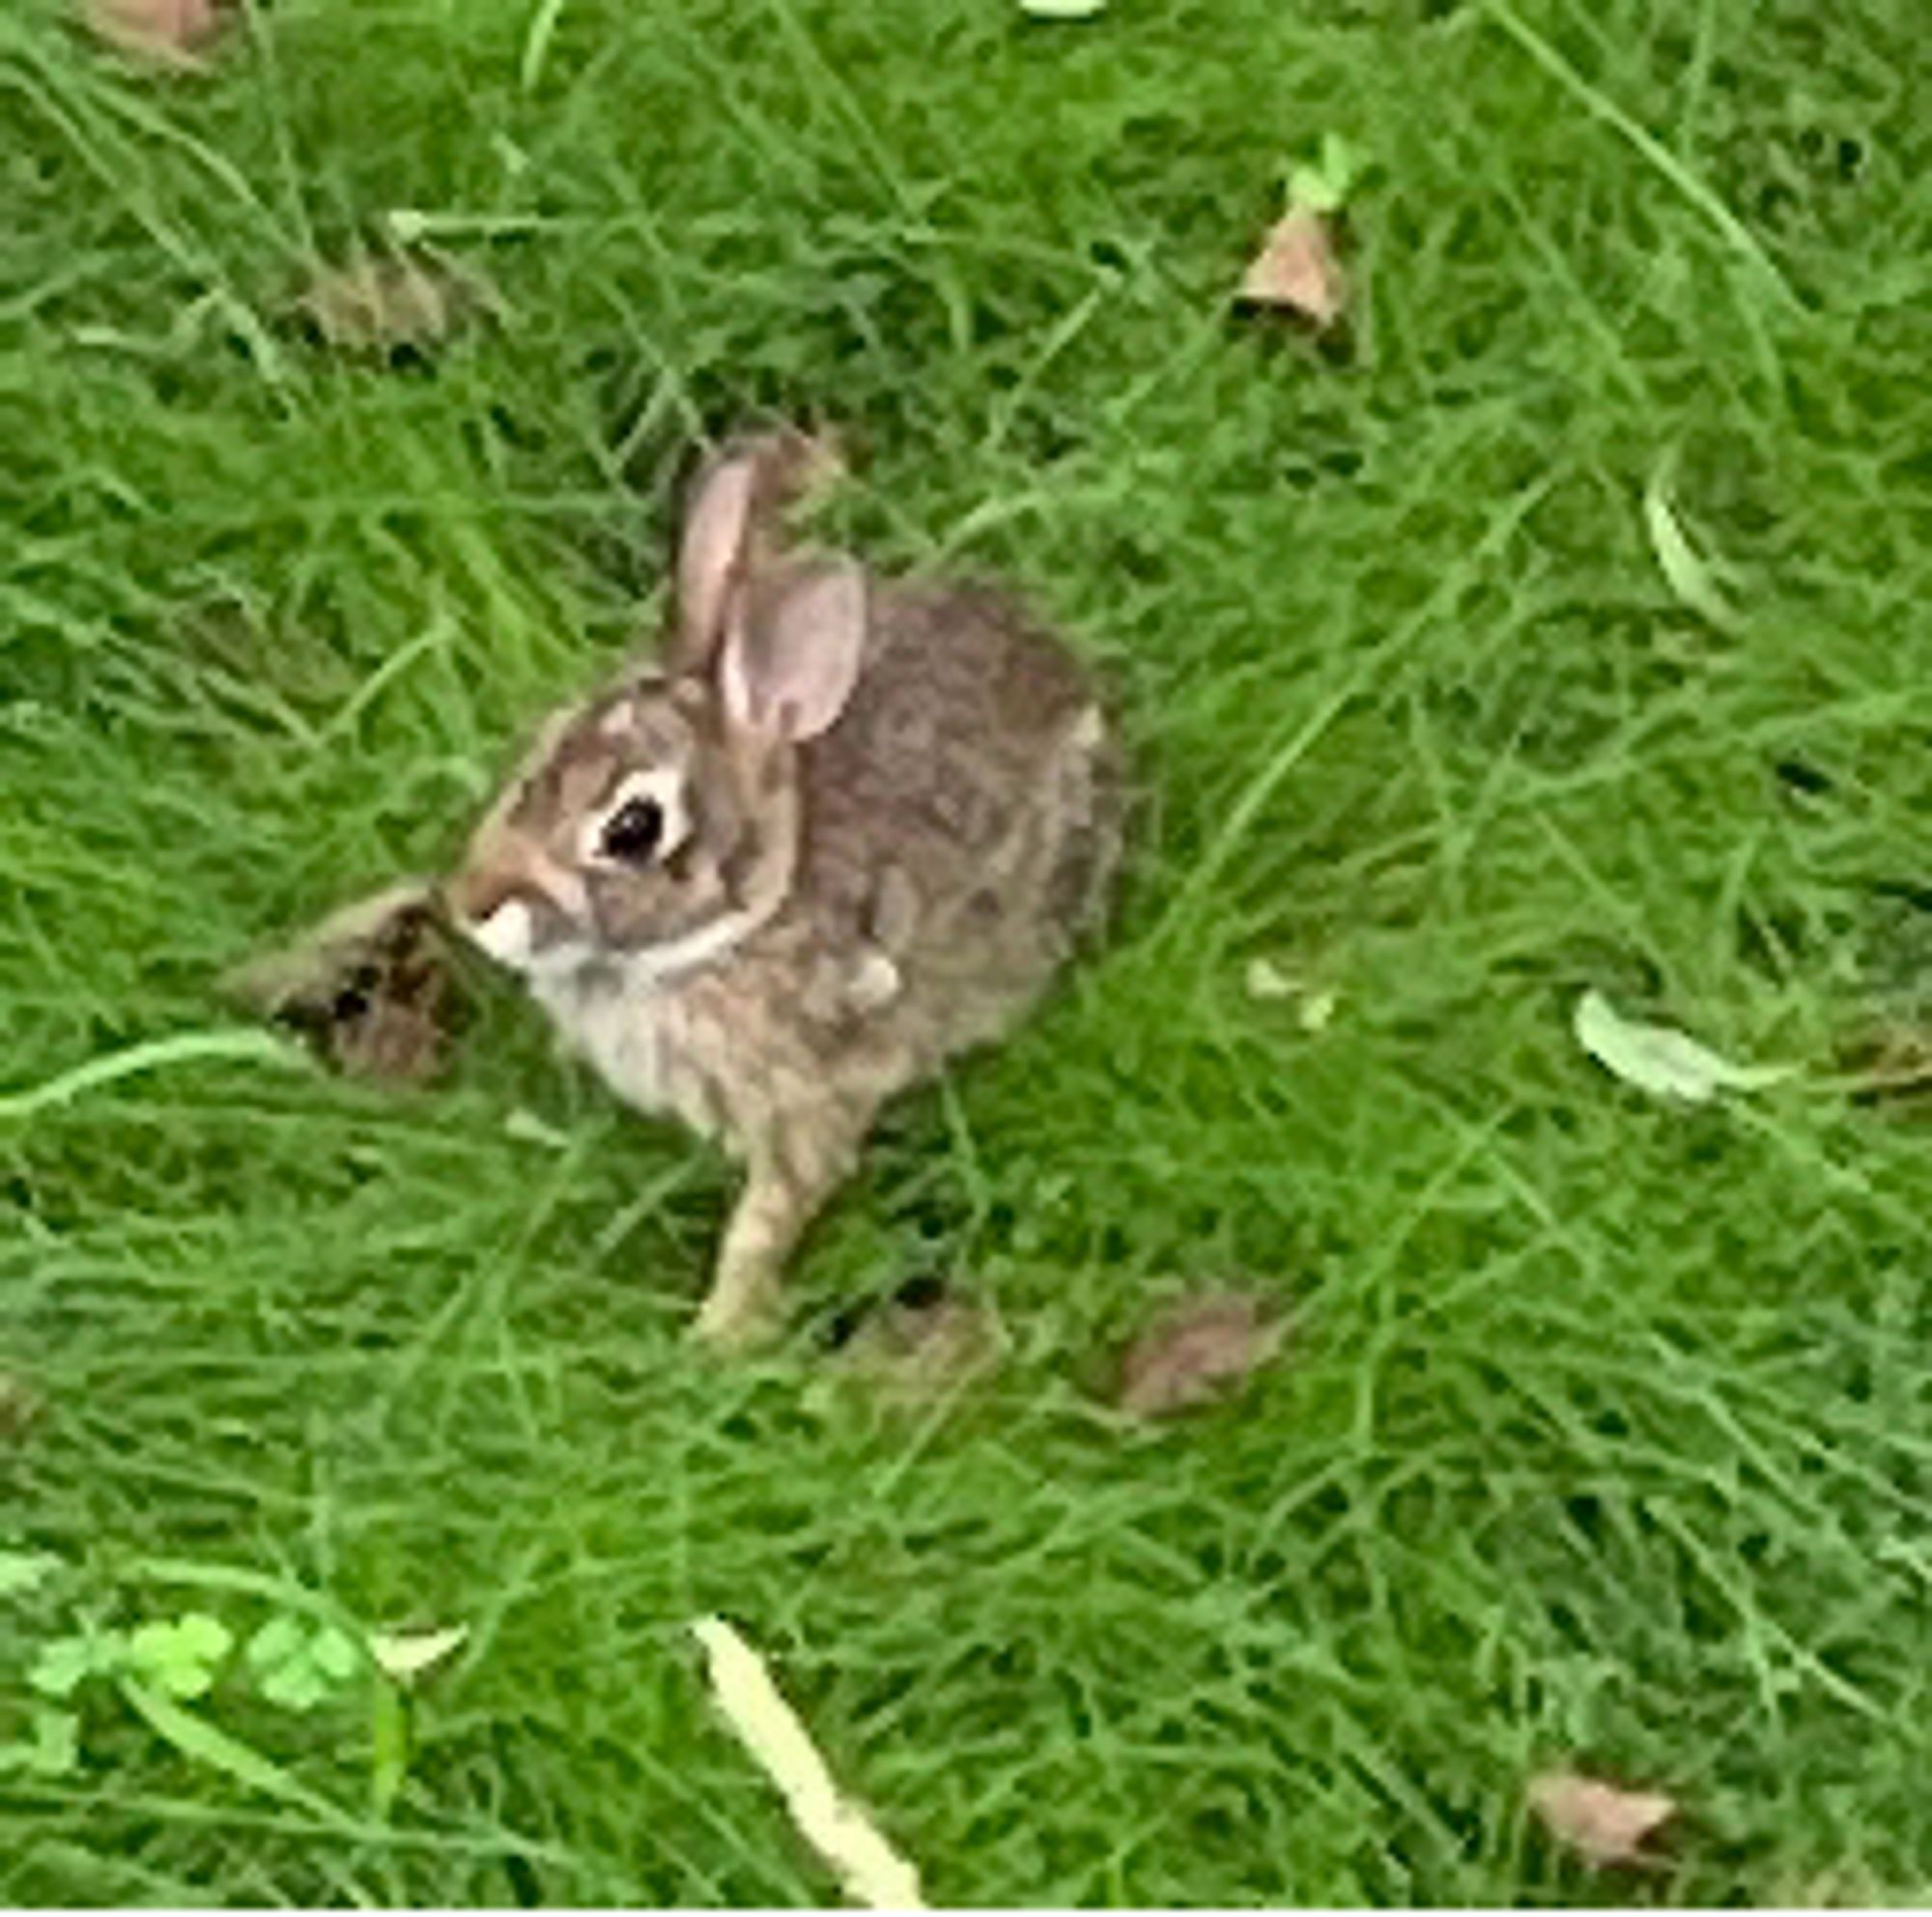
(792, 652)
(716, 530)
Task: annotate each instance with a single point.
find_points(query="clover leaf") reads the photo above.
(300, 1666)
(65, 1663)
(179, 1657)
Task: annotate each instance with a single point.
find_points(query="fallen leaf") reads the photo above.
(1298, 268)
(406, 1654)
(18, 1407)
(1195, 1351)
(1660, 1059)
(919, 1346)
(1893, 1062)
(1602, 1824)
(167, 33)
(1062, 10)
(527, 1128)
(874, 1874)
(1317, 1010)
(371, 987)
(1690, 577)
(397, 300)
(1315, 1006)
(1267, 981)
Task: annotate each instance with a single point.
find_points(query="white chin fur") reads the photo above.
(505, 935)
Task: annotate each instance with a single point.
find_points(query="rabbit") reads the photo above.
(843, 830)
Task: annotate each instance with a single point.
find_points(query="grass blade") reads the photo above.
(196, 1738)
(150, 1055)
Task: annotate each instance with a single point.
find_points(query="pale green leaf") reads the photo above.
(1310, 187)
(406, 1654)
(1266, 981)
(527, 1128)
(1341, 161)
(1658, 1058)
(1692, 579)
(1323, 185)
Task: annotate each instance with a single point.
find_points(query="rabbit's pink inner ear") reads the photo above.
(789, 665)
(715, 531)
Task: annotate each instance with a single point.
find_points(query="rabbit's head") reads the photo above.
(656, 825)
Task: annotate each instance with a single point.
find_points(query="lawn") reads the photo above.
(1605, 1434)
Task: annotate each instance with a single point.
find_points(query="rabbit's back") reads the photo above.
(962, 820)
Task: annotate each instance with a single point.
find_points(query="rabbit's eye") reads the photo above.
(640, 823)
(634, 832)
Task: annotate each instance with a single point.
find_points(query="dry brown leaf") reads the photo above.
(370, 987)
(169, 33)
(919, 1346)
(1602, 1823)
(1196, 1351)
(1298, 268)
(385, 302)
(1892, 1063)
(18, 1407)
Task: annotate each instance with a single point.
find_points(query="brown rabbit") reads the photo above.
(848, 828)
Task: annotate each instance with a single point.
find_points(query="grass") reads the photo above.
(1606, 1435)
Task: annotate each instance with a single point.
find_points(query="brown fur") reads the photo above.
(854, 909)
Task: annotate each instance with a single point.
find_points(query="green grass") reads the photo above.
(1606, 1433)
